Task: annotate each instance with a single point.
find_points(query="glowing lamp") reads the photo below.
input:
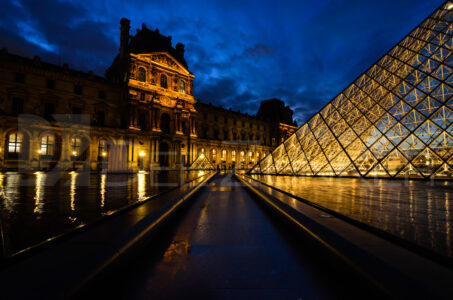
(450, 6)
(74, 153)
(201, 155)
(141, 153)
(39, 151)
(104, 154)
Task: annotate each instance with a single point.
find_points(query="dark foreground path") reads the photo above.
(226, 246)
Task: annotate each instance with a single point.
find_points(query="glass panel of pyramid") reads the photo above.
(394, 120)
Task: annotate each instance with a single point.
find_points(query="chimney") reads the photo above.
(124, 38)
(180, 49)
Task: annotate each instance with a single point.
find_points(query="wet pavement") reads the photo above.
(420, 212)
(38, 206)
(226, 246)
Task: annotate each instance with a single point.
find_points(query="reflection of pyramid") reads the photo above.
(202, 163)
(394, 120)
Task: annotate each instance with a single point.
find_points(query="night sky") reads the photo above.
(241, 52)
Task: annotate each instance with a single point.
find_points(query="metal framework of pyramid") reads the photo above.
(395, 120)
(202, 163)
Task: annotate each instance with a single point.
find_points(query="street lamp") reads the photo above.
(141, 154)
(74, 158)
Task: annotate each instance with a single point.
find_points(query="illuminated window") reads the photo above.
(233, 155)
(242, 156)
(223, 154)
(142, 74)
(182, 87)
(47, 145)
(15, 143)
(163, 81)
(214, 154)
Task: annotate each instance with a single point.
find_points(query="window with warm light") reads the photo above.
(15, 143)
(47, 145)
(223, 154)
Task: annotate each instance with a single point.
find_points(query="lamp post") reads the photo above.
(74, 158)
(104, 156)
(141, 155)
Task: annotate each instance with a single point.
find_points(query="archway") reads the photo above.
(164, 154)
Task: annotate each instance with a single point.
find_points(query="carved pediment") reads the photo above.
(163, 59)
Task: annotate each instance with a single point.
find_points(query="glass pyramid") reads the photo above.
(202, 163)
(395, 120)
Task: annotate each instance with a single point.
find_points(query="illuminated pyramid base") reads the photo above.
(202, 163)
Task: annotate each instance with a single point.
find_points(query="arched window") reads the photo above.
(233, 155)
(163, 81)
(142, 74)
(182, 87)
(213, 155)
(15, 141)
(47, 146)
(242, 156)
(223, 155)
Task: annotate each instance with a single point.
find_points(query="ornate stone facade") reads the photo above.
(141, 116)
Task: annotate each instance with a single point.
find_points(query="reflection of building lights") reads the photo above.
(72, 191)
(450, 6)
(141, 186)
(39, 151)
(201, 155)
(39, 192)
(74, 153)
(141, 153)
(102, 190)
(104, 154)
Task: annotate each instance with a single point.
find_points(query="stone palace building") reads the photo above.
(141, 116)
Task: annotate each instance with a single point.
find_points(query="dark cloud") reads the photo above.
(304, 52)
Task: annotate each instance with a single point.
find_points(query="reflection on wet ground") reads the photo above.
(225, 246)
(38, 206)
(418, 211)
